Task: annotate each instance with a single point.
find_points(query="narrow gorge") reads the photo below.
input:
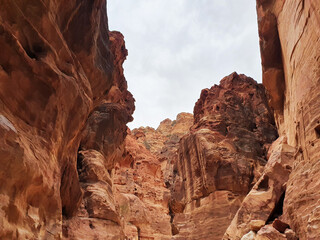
(243, 166)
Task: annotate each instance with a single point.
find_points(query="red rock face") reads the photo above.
(142, 177)
(221, 158)
(101, 146)
(64, 105)
(61, 83)
(141, 194)
(263, 203)
(299, 34)
(290, 60)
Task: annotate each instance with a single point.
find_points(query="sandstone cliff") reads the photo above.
(187, 178)
(63, 97)
(289, 43)
(142, 177)
(298, 115)
(221, 158)
(220, 173)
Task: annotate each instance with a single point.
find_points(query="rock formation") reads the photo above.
(101, 146)
(290, 60)
(263, 204)
(218, 174)
(187, 178)
(141, 181)
(61, 84)
(141, 194)
(298, 117)
(221, 158)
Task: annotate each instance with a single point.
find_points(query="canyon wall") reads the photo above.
(221, 158)
(64, 106)
(289, 42)
(218, 174)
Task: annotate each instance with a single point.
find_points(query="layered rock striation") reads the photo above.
(289, 36)
(187, 178)
(221, 158)
(298, 118)
(289, 46)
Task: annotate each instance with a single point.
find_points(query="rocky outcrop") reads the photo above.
(61, 84)
(289, 46)
(221, 158)
(187, 178)
(263, 204)
(164, 141)
(101, 146)
(141, 182)
(299, 34)
(141, 194)
(64, 105)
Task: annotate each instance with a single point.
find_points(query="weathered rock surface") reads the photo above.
(289, 34)
(64, 105)
(289, 42)
(270, 233)
(264, 201)
(57, 67)
(139, 180)
(101, 146)
(164, 141)
(141, 194)
(221, 158)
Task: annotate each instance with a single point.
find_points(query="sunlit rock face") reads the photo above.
(141, 194)
(142, 177)
(62, 91)
(289, 42)
(221, 158)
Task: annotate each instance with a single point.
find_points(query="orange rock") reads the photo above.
(269, 233)
(256, 225)
(101, 147)
(57, 65)
(289, 35)
(141, 194)
(265, 199)
(141, 178)
(64, 105)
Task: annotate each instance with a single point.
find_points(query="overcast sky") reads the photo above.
(178, 47)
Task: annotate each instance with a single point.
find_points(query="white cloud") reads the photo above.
(176, 48)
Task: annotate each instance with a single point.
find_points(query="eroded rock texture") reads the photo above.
(221, 158)
(61, 83)
(141, 194)
(142, 177)
(263, 204)
(298, 29)
(289, 42)
(101, 146)
(163, 142)
(64, 105)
